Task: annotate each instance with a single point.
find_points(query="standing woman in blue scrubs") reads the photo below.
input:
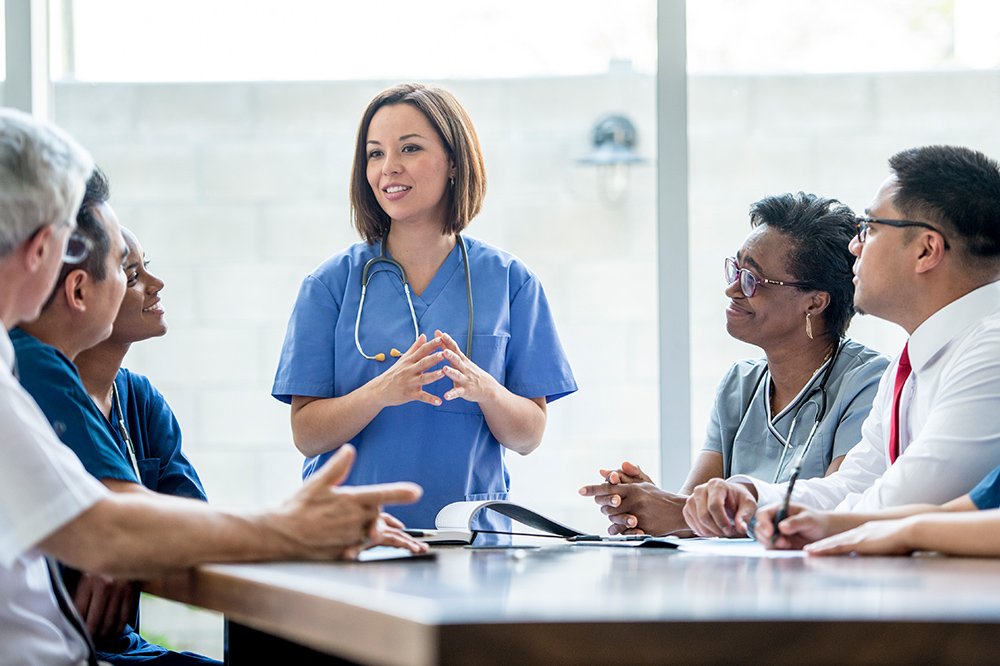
(399, 376)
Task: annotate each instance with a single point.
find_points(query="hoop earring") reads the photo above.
(809, 326)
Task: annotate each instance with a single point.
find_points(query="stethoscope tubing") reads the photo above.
(119, 416)
(367, 274)
(821, 410)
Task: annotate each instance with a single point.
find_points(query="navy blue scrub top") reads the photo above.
(156, 436)
(54, 382)
(986, 495)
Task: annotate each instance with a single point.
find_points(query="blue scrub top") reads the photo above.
(755, 442)
(54, 383)
(449, 450)
(986, 495)
(156, 437)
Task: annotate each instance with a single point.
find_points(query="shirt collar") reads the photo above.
(6, 350)
(950, 322)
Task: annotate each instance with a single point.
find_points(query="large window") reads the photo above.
(227, 127)
(816, 96)
(303, 40)
(227, 131)
(785, 36)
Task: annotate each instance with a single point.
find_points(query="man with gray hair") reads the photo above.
(49, 505)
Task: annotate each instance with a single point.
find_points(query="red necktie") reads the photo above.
(902, 372)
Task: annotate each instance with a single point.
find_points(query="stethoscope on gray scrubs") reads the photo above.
(821, 407)
(366, 275)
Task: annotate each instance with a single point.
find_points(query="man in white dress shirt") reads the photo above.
(928, 259)
(49, 505)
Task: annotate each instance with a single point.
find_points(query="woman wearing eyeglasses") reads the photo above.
(791, 293)
(433, 353)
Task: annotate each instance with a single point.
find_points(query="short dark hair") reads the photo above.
(957, 188)
(96, 192)
(820, 230)
(454, 128)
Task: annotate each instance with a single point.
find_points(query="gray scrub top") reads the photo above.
(738, 426)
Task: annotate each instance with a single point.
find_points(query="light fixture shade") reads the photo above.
(613, 139)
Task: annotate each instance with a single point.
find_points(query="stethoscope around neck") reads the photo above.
(821, 408)
(119, 416)
(367, 273)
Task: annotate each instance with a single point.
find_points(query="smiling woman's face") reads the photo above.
(408, 166)
(775, 315)
(140, 316)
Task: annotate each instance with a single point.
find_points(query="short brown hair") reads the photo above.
(454, 128)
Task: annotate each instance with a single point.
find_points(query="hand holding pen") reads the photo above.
(782, 511)
(764, 525)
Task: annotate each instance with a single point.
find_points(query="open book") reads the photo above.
(454, 525)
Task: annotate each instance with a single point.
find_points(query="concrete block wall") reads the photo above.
(237, 190)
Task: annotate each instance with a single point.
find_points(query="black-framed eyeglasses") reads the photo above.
(864, 221)
(748, 281)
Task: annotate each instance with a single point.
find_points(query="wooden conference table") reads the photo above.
(718, 602)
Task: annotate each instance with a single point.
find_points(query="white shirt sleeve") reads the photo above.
(952, 407)
(42, 483)
(949, 431)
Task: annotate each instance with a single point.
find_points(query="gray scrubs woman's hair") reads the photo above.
(821, 231)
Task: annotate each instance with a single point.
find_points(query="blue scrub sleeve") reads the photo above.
(536, 363)
(157, 437)
(986, 495)
(54, 384)
(306, 366)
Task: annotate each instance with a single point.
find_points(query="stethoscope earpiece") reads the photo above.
(395, 353)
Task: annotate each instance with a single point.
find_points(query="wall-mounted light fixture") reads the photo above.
(613, 142)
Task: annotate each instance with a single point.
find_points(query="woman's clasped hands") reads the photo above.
(405, 380)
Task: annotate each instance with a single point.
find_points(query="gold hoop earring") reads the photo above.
(809, 326)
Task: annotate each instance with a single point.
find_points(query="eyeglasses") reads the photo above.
(864, 221)
(748, 281)
(77, 248)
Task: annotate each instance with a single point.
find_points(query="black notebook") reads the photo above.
(453, 525)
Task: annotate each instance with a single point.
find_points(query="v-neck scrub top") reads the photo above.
(449, 450)
(755, 442)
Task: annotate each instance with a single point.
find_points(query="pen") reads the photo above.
(783, 510)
